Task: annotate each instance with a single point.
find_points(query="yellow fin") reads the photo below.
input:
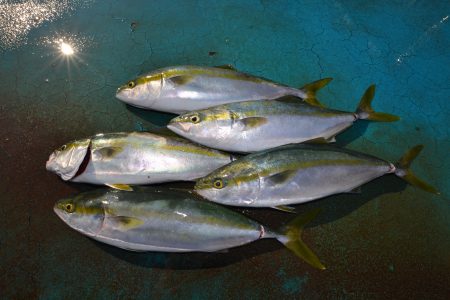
(106, 152)
(253, 122)
(366, 112)
(226, 67)
(181, 79)
(403, 171)
(282, 176)
(293, 241)
(311, 89)
(122, 187)
(125, 223)
(322, 140)
(285, 208)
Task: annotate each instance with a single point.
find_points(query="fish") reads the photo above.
(122, 159)
(166, 220)
(180, 89)
(299, 173)
(252, 126)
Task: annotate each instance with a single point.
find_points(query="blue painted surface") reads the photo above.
(390, 242)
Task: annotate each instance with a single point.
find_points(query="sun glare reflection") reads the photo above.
(66, 49)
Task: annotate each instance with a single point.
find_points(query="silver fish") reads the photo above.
(252, 126)
(158, 219)
(299, 173)
(185, 88)
(121, 159)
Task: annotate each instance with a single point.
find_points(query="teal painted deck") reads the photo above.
(392, 241)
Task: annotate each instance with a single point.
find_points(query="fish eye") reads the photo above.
(218, 183)
(131, 84)
(63, 147)
(194, 119)
(69, 207)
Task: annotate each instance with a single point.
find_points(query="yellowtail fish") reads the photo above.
(252, 126)
(186, 88)
(295, 174)
(122, 159)
(157, 219)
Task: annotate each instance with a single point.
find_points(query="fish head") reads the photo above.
(204, 126)
(237, 183)
(84, 212)
(142, 91)
(67, 159)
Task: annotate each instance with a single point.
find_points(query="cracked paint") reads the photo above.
(391, 241)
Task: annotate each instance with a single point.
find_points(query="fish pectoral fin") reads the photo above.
(106, 152)
(125, 223)
(357, 190)
(122, 187)
(285, 208)
(180, 79)
(226, 67)
(282, 177)
(252, 122)
(321, 140)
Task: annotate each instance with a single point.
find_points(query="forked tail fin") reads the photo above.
(311, 89)
(365, 110)
(403, 171)
(291, 238)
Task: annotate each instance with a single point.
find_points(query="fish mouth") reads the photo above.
(49, 164)
(178, 127)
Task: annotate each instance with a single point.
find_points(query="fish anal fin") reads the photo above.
(285, 208)
(122, 187)
(282, 176)
(226, 67)
(321, 140)
(124, 222)
(252, 122)
(289, 99)
(357, 190)
(180, 79)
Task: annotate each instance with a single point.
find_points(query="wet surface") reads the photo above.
(391, 241)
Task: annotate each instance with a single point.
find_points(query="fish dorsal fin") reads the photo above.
(289, 99)
(124, 222)
(226, 67)
(311, 89)
(180, 79)
(122, 187)
(282, 177)
(252, 122)
(285, 208)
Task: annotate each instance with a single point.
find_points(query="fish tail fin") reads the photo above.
(365, 110)
(403, 171)
(291, 238)
(311, 89)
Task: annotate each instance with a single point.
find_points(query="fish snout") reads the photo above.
(50, 164)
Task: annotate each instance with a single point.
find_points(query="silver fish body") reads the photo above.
(163, 219)
(185, 88)
(252, 126)
(259, 125)
(135, 158)
(295, 174)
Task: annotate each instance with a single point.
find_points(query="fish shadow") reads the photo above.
(357, 130)
(152, 117)
(332, 208)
